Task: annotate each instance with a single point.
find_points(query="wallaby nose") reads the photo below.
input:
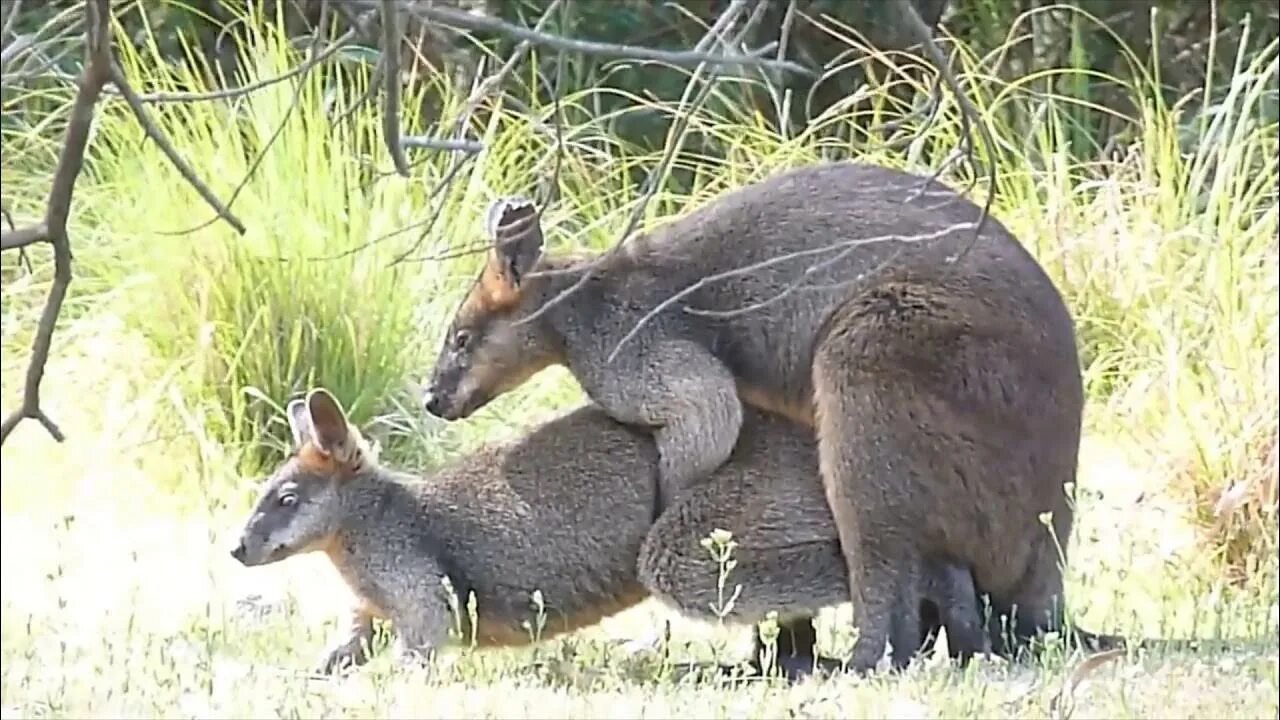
(431, 403)
(239, 552)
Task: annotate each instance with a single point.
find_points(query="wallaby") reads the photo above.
(495, 526)
(937, 369)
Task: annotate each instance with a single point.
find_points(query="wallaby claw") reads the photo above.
(415, 657)
(343, 657)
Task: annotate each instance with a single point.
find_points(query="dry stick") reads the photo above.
(231, 93)
(96, 73)
(969, 115)
(391, 76)
(36, 41)
(478, 95)
(161, 140)
(675, 139)
(754, 267)
(967, 110)
(468, 21)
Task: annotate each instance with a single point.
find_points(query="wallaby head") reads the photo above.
(300, 509)
(487, 350)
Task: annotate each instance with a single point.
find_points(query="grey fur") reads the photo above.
(494, 524)
(946, 396)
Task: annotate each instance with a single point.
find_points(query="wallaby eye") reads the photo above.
(288, 499)
(461, 339)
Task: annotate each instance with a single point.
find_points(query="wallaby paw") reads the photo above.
(342, 658)
(415, 657)
(795, 668)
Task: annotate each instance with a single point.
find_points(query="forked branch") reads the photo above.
(53, 230)
(100, 69)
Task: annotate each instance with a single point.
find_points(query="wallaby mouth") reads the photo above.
(434, 404)
(252, 559)
(241, 554)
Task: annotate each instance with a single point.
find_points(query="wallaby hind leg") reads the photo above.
(795, 651)
(949, 587)
(791, 567)
(867, 478)
(1036, 607)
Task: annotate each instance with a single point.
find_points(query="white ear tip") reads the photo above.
(497, 208)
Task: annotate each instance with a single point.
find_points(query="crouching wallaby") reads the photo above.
(937, 369)
(494, 525)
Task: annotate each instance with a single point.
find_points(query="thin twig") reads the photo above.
(162, 141)
(301, 69)
(781, 94)
(675, 140)
(261, 156)
(391, 77)
(969, 115)
(468, 21)
(15, 7)
(23, 237)
(96, 73)
(480, 91)
(843, 247)
(444, 144)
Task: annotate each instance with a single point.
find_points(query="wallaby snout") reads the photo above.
(239, 552)
(450, 395)
(433, 402)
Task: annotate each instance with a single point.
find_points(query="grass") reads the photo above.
(176, 352)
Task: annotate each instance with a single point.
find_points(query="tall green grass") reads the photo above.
(1166, 251)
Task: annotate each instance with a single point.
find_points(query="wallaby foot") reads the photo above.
(355, 649)
(795, 655)
(950, 588)
(886, 609)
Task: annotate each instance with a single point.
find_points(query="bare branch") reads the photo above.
(313, 52)
(96, 73)
(675, 140)
(468, 21)
(23, 237)
(161, 140)
(480, 91)
(391, 76)
(446, 144)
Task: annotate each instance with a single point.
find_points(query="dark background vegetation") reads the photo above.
(1189, 32)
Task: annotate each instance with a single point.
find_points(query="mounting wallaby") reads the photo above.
(938, 370)
(494, 525)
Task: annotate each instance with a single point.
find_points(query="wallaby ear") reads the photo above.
(330, 431)
(299, 422)
(515, 226)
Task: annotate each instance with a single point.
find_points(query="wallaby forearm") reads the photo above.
(686, 394)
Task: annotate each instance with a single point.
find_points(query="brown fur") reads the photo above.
(940, 375)
(492, 523)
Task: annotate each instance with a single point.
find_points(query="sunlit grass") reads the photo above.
(178, 349)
